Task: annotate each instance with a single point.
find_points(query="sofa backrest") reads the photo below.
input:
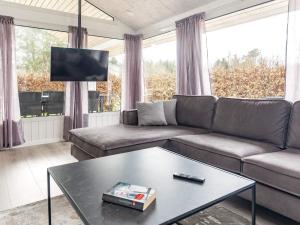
(195, 111)
(262, 120)
(293, 139)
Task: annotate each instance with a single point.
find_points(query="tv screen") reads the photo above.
(72, 64)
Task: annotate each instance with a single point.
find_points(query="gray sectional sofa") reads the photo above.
(259, 139)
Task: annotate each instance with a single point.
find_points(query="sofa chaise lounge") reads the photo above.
(259, 139)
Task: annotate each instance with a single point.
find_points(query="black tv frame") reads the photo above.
(92, 77)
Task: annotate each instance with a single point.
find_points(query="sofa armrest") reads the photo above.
(130, 117)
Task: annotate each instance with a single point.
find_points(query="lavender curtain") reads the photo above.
(192, 67)
(293, 53)
(76, 93)
(132, 81)
(11, 133)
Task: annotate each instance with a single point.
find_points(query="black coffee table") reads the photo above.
(84, 182)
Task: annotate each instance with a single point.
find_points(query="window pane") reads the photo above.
(106, 96)
(38, 96)
(247, 60)
(159, 56)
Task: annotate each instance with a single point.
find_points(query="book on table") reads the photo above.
(133, 196)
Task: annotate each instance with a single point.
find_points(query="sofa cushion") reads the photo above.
(293, 140)
(170, 111)
(151, 113)
(195, 111)
(280, 170)
(130, 117)
(95, 140)
(82, 154)
(228, 147)
(261, 120)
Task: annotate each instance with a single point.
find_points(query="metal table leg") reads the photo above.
(254, 205)
(49, 197)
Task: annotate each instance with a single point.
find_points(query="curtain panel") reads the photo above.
(132, 80)
(292, 90)
(76, 93)
(11, 132)
(192, 63)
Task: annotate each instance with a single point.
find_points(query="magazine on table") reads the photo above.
(133, 196)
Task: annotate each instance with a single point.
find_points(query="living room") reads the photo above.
(159, 97)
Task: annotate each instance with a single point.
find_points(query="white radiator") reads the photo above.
(42, 130)
(104, 119)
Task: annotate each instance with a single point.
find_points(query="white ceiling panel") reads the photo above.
(141, 13)
(67, 6)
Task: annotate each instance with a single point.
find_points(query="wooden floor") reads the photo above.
(23, 172)
(23, 180)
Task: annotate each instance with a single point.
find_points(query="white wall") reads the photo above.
(41, 130)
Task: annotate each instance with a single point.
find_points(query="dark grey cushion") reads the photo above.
(130, 117)
(280, 170)
(151, 114)
(294, 127)
(225, 146)
(81, 154)
(195, 111)
(193, 152)
(262, 120)
(95, 140)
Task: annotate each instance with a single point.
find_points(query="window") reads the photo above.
(106, 96)
(248, 60)
(38, 96)
(159, 57)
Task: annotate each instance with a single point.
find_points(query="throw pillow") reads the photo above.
(150, 114)
(170, 111)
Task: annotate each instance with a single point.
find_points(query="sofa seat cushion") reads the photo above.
(221, 150)
(226, 145)
(95, 140)
(280, 170)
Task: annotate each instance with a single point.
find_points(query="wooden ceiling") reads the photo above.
(141, 13)
(150, 17)
(114, 46)
(67, 6)
(247, 15)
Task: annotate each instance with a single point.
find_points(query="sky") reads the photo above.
(268, 35)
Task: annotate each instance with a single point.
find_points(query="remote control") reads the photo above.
(188, 177)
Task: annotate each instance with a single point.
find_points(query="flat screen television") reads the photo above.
(72, 64)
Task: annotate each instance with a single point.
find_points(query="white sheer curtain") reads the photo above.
(76, 93)
(11, 132)
(192, 63)
(293, 53)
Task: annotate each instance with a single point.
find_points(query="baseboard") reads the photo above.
(40, 142)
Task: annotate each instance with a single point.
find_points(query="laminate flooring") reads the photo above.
(23, 180)
(23, 172)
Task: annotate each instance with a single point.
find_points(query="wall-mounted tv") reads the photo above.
(72, 64)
